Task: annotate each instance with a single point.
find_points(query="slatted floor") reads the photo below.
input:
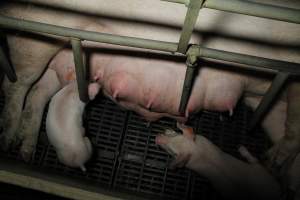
(126, 157)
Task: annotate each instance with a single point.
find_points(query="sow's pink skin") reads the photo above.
(154, 96)
(153, 88)
(225, 172)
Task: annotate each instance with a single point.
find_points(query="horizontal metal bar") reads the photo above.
(6, 67)
(30, 26)
(268, 99)
(186, 2)
(82, 82)
(25, 25)
(255, 9)
(293, 68)
(189, 23)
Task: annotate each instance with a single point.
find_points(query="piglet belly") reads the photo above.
(64, 127)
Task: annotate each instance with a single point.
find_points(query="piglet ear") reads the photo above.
(187, 131)
(93, 90)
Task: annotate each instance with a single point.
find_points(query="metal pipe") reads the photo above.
(237, 6)
(268, 99)
(293, 68)
(6, 67)
(80, 69)
(187, 86)
(255, 9)
(189, 23)
(186, 2)
(30, 26)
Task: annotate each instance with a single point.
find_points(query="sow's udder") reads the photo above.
(153, 87)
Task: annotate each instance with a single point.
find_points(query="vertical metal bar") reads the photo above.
(268, 99)
(6, 67)
(187, 86)
(189, 23)
(81, 75)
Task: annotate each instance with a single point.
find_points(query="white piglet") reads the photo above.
(64, 128)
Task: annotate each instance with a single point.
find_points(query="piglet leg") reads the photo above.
(289, 145)
(32, 114)
(29, 65)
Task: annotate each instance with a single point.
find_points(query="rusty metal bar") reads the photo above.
(255, 9)
(268, 99)
(31, 26)
(6, 67)
(81, 76)
(189, 23)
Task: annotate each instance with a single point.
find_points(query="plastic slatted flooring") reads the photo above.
(126, 157)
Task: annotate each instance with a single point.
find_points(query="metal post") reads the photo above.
(6, 67)
(189, 23)
(268, 99)
(187, 86)
(255, 9)
(191, 63)
(81, 75)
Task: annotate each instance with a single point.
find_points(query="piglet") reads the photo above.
(64, 128)
(233, 178)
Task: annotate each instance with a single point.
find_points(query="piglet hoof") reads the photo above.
(83, 169)
(26, 155)
(6, 142)
(279, 158)
(148, 124)
(26, 152)
(180, 161)
(247, 155)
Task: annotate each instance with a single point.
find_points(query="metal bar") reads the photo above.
(268, 99)
(189, 23)
(293, 68)
(186, 2)
(6, 67)
(80, 69)
(255, 9)
(30, 26)
(187, 86)
(237, 6)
